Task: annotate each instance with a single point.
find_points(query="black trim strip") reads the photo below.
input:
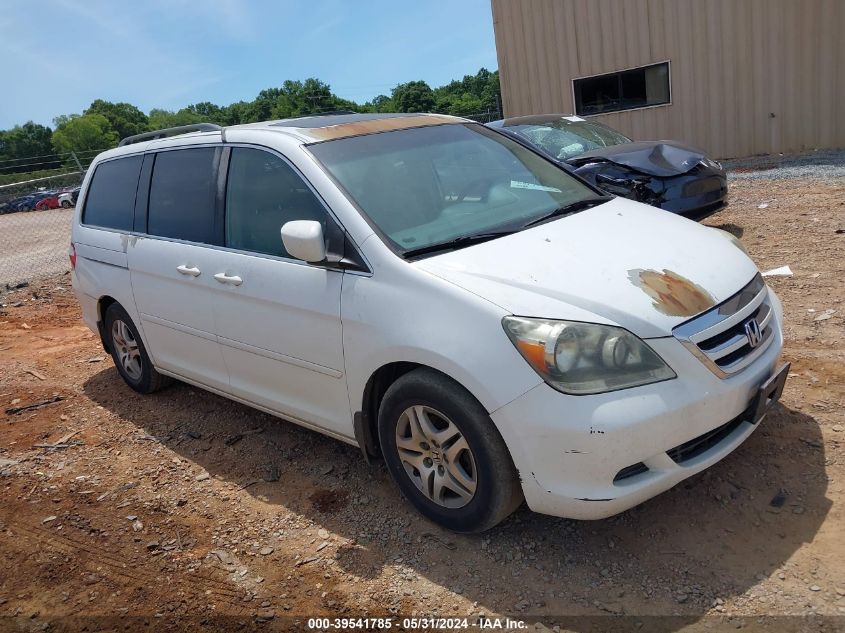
(142, 195)
(222, 166)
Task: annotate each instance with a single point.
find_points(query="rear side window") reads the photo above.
(110, 201)
(182, 192)
(262, 194)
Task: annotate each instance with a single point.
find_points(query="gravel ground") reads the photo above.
(184, 511)
(819, 164)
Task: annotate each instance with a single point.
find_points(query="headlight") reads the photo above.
(709, 162)
(583, 358)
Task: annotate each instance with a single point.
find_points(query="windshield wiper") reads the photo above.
(574, 207)
(458, 242)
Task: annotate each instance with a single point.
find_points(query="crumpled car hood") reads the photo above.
(655, 158)
(621, 262)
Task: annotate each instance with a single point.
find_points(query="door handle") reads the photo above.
(232, 280)
(192, 271)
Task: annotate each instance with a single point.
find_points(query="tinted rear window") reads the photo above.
(182, 195)
(110, 202)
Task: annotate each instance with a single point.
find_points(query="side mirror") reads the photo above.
(303, 239)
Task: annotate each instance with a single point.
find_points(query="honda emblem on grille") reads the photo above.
(752, 331)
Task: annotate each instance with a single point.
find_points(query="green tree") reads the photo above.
(208, 112)
(474, 95)
(235, 113)
(291, 99)
(63, 118)
(26, 144)
(381, 103)
(160, 119)
(124, 118)
(465, 104)
(298, 98)
(413, 96)
(261, 108)
(85, 133)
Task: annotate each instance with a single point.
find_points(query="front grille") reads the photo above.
(703, 443)
(724, 338)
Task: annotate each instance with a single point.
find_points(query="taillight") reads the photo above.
(72, 254)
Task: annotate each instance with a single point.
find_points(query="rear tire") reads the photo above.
(445, 454)
(129, 354)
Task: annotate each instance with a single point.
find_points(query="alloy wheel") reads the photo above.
(126, 348)
(436, 456)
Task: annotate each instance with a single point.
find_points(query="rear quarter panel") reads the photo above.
(101, 265)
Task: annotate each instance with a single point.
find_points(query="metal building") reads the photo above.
(734, 77)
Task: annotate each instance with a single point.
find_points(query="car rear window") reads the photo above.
(182, 193)
(110, 202)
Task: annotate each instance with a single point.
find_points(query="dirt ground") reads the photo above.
(183, 510)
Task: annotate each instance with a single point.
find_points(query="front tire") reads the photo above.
(445, 454)
(129, 354)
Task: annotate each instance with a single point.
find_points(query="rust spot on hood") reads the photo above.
(672, 294)
(371, 126)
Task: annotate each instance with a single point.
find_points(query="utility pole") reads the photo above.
(76, 160)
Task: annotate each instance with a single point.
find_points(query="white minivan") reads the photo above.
(439, 295)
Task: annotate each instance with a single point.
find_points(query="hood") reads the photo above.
(655, 158)
(621, 263)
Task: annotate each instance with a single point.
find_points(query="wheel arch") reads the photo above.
(103, 304)
(365, 421)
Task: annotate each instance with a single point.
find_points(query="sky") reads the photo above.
(57, 56)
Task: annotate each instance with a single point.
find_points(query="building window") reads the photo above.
(625, 90)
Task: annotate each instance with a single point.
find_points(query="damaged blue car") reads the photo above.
(665, 174)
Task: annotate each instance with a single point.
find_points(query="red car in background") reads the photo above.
(50, 202)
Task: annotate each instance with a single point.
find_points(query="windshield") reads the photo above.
(437, 184)
(564, 139)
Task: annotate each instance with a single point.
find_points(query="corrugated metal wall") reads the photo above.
(748, 76)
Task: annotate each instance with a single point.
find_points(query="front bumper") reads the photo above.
(570, 450)
(695, 195)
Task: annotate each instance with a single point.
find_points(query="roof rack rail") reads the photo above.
(329, 113)
(170, 131)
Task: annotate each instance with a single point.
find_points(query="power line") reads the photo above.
(11, 169)
(49, 162)
(86, 151)
(83, 154)
(7, 160)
